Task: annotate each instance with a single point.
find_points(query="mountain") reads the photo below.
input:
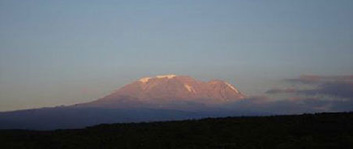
(159, 98)
(166, 89)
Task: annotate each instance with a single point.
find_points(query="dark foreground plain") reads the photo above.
(324, 130)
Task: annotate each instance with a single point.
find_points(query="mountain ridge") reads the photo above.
(159, 98)
(163, 89)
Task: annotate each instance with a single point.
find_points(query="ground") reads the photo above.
(324, 130)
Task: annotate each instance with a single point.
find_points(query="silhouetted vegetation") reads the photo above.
(326, 130)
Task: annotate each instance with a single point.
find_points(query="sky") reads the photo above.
(65, 52)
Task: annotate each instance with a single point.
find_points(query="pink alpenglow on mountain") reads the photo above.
(171, 88)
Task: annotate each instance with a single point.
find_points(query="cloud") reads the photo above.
(305, 79)
(339, 89)
(278, 90)
(312, 79)
(333, 86)
(267, 106)
(310, 93)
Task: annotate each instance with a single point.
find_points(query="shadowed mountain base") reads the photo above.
(326, 130)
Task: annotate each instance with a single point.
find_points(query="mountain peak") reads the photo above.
(214, 82)
(166, 76)
(146, 79)
(170, 88)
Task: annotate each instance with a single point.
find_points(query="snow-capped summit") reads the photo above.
(170, 88)
(146, 79)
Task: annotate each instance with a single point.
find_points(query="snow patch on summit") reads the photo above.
(189, 88)
(145, 79)
(232, 87)
(166, 76)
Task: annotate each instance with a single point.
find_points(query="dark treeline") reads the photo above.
(325, 130)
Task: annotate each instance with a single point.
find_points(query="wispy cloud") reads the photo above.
(311, 79)
(339, 89)
(297, 105)
(324, 94)
(281, 90)
(332, 86)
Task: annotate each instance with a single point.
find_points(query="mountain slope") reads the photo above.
(165, 89)
(159, 98)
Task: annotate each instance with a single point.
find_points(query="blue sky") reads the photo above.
(65, 52)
